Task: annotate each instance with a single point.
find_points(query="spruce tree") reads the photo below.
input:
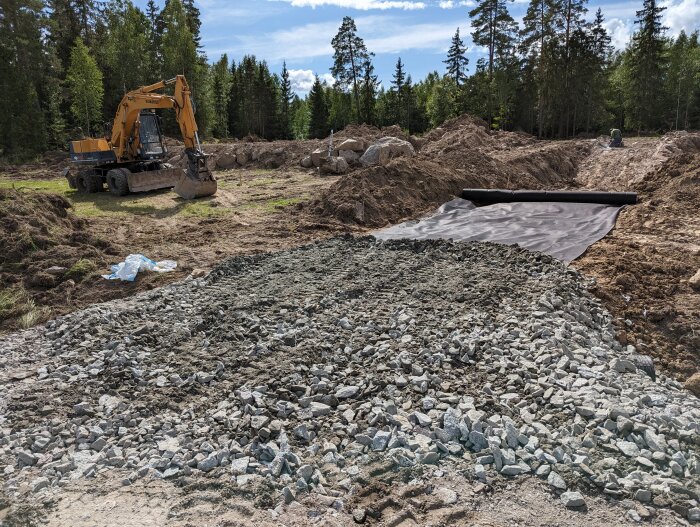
(220, 87)
(456, 60)
(286, 95)
(398, 81)
(84, 80)
(350, 58)
(368, 94)
(647, 68)
(318, 111)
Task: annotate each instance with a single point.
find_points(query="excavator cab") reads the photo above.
(152, 146)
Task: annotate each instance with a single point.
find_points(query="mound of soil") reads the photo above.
(462, 153)
(47, 251)
(643, 268)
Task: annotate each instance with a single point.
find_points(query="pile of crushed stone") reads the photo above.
(305, 369)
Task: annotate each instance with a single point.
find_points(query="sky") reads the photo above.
(419, 31)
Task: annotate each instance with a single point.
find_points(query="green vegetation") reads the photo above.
(81, 268)
(276, 204)
(15, 303)
(65, 64)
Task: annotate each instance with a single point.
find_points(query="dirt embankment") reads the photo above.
(643, 267)
(462, 153)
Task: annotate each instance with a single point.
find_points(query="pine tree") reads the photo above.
(456, 60)
(493, 29)
(286, 95)
(84, 81)
(234, 101)
(318, 111)
(349, 59)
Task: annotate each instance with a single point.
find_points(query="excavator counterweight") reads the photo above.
(131, 158)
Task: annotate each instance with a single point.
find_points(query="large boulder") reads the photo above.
(226, 161)
(385, 149)
(349, 155)
(306, 162)
(356, 145)
(317, 156)
(242, 158)
(334, 165)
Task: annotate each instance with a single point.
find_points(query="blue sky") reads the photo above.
(419, 31)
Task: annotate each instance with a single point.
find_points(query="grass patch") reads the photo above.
(104, 204)
(276, 204)
(59, 186)
(262, 182)
(16, 304)
(81, 268)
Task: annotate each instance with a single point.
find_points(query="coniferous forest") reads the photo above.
(65, 65)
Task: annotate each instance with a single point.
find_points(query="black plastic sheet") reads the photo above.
(562, 230)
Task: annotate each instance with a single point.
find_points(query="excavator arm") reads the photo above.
(125, 133)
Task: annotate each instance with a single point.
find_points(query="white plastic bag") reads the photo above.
(129, 268)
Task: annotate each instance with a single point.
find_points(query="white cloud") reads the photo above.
(412, 36)
(362, 5)
(303, 80)
(682, 15)
(620, 31)
(382, 34)
(451, 4)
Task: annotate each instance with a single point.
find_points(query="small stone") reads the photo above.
(305, 472)
(572, 499)
(26, 457)
(40, 483)
(288, 495)
(633, 515)
(628, 448)
(556, 481)
(511, 470)
(83, 409)
(445, 496)
(359, 515)
(694, 514)
(346, 392)
(319, 409)
(380, 440)
(208, 464)
(239, 466)
(643, 495)
(430, 458)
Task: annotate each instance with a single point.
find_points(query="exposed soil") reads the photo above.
(460, 154)
(644, 265)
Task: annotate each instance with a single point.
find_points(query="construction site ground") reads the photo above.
(641, 274)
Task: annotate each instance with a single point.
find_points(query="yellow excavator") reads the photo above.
(131, 157)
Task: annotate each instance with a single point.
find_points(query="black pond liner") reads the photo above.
(563, 227)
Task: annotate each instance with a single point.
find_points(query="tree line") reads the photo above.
(65, 65)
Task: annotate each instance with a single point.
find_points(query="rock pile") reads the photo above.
(355, 152)
(306, 367)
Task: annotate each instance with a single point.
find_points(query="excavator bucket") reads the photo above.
(197, 181)
(189, 188)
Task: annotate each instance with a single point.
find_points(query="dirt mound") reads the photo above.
(47, 255)
(462, 153)
(643, 268)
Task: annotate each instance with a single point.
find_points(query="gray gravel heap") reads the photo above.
(305, 367)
